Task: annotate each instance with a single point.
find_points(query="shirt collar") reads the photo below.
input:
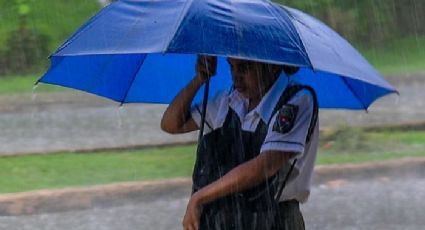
(266, 106)
(268, 103)
(238, 103)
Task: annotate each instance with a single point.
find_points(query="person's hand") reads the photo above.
(206, 67)
(193, 214)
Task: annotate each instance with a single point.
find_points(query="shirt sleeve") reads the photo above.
(286, 133)
(214, 108)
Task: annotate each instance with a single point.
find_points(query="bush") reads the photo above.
(37, 26)
(26, 50)
(346, 139)
(368, 22)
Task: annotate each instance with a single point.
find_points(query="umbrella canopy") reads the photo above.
(145, 51)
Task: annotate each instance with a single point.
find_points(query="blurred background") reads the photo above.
(53, 138)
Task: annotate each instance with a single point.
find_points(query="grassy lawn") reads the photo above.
(350, 145)
(24, 173)
(24, 85)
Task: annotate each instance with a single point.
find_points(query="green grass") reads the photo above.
(398, 57)
(25, 85)
(362, 146)
(17, 84)
(24, 173)
(326, 158)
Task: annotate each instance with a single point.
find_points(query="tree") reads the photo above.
(25, 47)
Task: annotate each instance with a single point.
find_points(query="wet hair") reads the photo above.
(271, 72)
(289, 70)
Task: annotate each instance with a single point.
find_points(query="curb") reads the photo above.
(60, 200)
(400, 168)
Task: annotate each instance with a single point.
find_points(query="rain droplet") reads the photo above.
(34, 94)
(33, 98)
(119, 117)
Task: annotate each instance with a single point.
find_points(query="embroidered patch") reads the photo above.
(285, 119)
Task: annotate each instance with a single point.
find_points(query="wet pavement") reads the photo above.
(71, 121)
(408, 107)
(380, 203)
(76, 121)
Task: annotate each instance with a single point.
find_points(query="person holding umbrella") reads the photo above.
(259, 135)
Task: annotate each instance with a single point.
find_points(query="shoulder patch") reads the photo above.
(285, 118)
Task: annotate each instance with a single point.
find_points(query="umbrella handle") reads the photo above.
(204, 108)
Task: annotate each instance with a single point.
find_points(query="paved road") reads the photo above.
(381, 203)
(74, 121)
(409, 106)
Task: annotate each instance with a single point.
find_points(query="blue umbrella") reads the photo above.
(145, 51)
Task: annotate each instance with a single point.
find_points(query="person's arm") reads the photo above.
(242, 177)
(176, 118)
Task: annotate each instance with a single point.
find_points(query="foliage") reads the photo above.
(26, 50)
(30, 30)
(368, 22)
(397, 57)
(381, 146)
(346, 139)
(23, 7)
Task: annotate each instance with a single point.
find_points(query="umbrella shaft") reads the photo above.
(204, 109)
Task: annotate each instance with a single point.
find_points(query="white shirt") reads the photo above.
(293, 141)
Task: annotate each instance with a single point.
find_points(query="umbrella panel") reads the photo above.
(157, 78)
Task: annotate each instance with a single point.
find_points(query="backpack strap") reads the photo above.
(286, 96)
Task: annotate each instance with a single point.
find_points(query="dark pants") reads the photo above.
(287, 217)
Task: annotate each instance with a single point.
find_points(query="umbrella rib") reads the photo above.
(187, 5)
(86, 26)
(132, 80)
(354, 93)
(299, 35)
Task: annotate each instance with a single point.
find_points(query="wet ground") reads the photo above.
(76, 121)
(375, 204)
(49, 122)
(407, 107)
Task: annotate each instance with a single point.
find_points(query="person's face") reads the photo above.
(247, 77)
